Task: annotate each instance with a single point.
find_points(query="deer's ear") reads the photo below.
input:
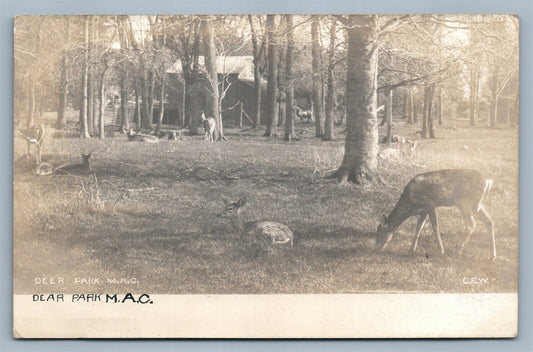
(242, 201)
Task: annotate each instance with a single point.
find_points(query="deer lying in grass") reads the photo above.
(276, 232)
(84, 168)
(304, 114)
(465, 189)
(34, 135)
(209, 127)
(139, 137)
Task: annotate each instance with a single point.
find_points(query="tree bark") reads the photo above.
(212, 76)
(257, 75)
(161, 108)
(388, 112)
(328, 127)
(493, 109)
(84, 130)
(317, 78)
(474, 96)
(289, 103)
(361, 146)
(272, 65)
(137, 117)
(439, 107)
(410, 109)
(195, 104)
(101, 97)
(63, 95)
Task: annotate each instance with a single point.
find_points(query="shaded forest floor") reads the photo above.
(151, 215)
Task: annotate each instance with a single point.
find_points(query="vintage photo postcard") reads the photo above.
(266, 176)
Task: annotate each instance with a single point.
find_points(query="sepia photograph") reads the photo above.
(286, 171)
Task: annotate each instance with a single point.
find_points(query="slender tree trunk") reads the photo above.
(146, 118)
(124, 123)
(272, 93)
(439, 109)
(161, 108)
(410, 108)
(101, 97)
(212, 76)
(289, 104)
(137, 106)
(63, 95)
(388, 112)
(257, 75)
(361, 146)
(474, 97)
(195, 103)
(317, 78)
(428, 128)
(493, 109)
(31, 103)
(415, 112)
(84, 130)
(328, 127)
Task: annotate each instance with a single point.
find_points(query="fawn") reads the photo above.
(465, 189)
(278, 233)
(33, 135)
(77, 169)
(209, 127)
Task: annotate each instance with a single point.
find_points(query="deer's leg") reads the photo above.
(435, 223)
(470, 227)
(485, 217)
(419, 226)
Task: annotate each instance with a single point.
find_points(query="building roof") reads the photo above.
(243, 66)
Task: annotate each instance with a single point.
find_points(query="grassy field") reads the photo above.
(151, 215)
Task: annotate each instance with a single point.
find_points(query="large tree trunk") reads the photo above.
(361, 146)
(146, 118)
(212, 76)
(84, 128)
(272, 84)
(289, 104)
(328, 127)
(317, 78)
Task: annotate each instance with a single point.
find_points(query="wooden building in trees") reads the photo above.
(235, 78)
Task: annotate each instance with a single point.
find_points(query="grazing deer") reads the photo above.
(465, 189)
(304, 114)
(77, 169)
(209, 127)
(278, 233)
(33, 135)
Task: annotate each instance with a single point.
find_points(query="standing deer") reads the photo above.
(276, 232)
(209, 127)
(33, 135)
(465, 189)
(304, 114)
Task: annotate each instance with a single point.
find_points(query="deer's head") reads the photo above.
(231, 209)
(383, 235)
